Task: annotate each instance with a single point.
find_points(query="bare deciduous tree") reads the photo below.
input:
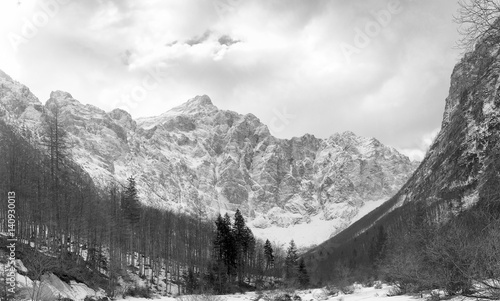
(39, 265)
(477, 19)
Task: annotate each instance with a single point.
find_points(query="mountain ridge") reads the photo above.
(198, 159)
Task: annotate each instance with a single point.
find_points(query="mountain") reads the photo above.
(461, 167)
(199, 159)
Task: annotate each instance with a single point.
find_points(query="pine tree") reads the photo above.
(229, 246)
(378, 246)
(291, 262)
(241, 243)
(249, 247)
(268, 253)
(224, 252)
(190, 281)
(130, 202)
(303, 276)
(218, 252)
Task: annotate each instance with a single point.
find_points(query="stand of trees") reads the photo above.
(238, 259)
(295, 269)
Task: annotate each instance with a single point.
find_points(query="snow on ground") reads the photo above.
(316, 232)
(304, 235)
(361, 293)
(368, 207)
(52, 288)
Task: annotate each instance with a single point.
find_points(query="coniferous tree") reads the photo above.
(190, 281)
(223, 249)
(291, 262)
(378, 246)
(249, 247)
(130, 202)
(268, 253)
(302, 275)
(229, 246)
(243, 240)
(239, 242)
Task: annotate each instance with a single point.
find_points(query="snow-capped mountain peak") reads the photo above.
(196, 105)
(199, 105)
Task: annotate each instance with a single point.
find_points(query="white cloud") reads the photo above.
(288, 55)
(418, 154)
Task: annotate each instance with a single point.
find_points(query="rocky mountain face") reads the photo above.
(465, 156)
(199, 159)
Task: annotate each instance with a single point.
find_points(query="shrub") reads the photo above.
(283, 297)
(320, 294)
(395, 291)
(90, 298)
(287, 295)
(434, 296)
(201, 297)
(289, 290)
(331, 290)
(138, 291)
(369, 282)
(347, 290)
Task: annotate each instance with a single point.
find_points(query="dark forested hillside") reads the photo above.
(458, 182)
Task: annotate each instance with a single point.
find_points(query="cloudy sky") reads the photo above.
(379, 68)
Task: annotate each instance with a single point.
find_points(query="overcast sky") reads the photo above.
(379, 68)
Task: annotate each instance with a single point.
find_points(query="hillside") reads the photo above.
(459, 172)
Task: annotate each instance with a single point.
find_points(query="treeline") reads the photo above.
(459, 256)
(456, 249)
(238, 260)
(96, 234)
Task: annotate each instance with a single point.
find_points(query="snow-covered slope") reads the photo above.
(199, 159)
(361, 293)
